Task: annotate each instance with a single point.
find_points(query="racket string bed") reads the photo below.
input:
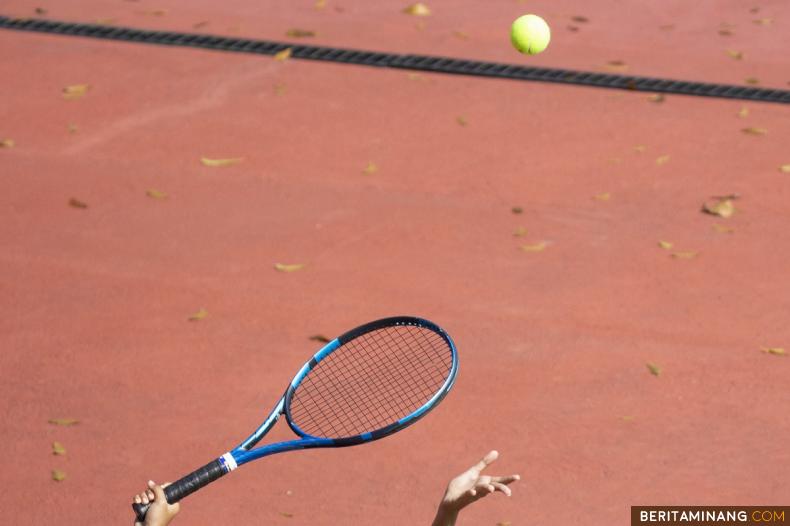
(371, 382)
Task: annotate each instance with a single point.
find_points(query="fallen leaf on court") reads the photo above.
(580, 19)
(664, 159)
(764, 21)
(737, 55)
(283, 55)
(370, 169)
(572, 28)
(63, 421)
(785, 168)
(656, 97)
(536, 247)
(752, 80)
(292, 267)
(418, 9)
(617, 65)
(319, 4)
(628, 418)
(286, 514)
(654, 369)
(41, 11)
(776, 351)
(75, 91)
(300, 33)
(603, 197)
(684, 255)
(640, 148)
(215, 163)
(754, 10)
(154, 12)
(156, 194)
(517, 210)
(279, 89)
(520, 232)
(199, 315)
(7, 143)
(461, 35)
(720, 206)
(666, 245)
(754, 131)
(319, 338)
(199, 25)
(415, 76)
(461, 120)
(615, 160)
(58, 449)
(76, 203)
(725, 32)
(667, 27)
(723, 229)
(58, 475)
(504, 523)
(743, 112)
(105, 21)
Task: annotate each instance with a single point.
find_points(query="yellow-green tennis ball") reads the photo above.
(530, 34)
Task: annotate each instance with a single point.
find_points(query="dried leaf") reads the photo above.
(580, 19)
(722, 229)
(319, 4)
(58, 475)
(41, 11)
(754, 131)
(603, 197)
(293, 267)
(75, 91)
(370, 169)
(156, 194)
(640, 148)
(76, 203)
(654, 369)
(461, 120)
(628, 418)
(105, 21)
(461, 35)
(319, 338)
(300, 33)
(416, 76)
(667, 27)
(666, 245)
(725, 32)
(664, 159)
(517, 210)
(737, 55)
(657, 97)
(279, 89)
(785, 168)
(752, 80)
(7, 143)
(73, 128)
(154, 12)
(615, 160)
(684, 255)
(200, 25)
(764, 21)
(743, 112)
(536, 247)
(520, 232)
(754, 10)
(286, 514)
(215, 163)
(63, 421)
(58, 449)
(776, 351)
(573, 29)
(199, 315)
(720, 206)
(418, 9)
(504, 523)
(283, 55)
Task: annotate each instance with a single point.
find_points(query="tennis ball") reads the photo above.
(530, 34)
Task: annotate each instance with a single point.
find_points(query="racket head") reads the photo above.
(372, 381)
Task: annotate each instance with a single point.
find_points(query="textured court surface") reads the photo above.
(553, 343)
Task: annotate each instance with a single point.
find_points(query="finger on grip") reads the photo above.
(185, 486)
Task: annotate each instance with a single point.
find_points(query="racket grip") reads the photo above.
(185, 486)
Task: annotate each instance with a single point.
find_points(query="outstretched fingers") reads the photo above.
(486, 461)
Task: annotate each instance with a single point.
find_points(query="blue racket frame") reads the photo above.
(246, 451)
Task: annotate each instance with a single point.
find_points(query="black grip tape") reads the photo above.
(185, 486)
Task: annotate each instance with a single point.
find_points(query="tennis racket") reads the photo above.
(364, 385)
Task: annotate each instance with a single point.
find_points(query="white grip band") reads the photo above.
(229, 462)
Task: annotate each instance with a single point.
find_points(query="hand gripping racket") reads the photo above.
(364, 385)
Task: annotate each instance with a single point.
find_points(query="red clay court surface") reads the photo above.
(554, 344)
